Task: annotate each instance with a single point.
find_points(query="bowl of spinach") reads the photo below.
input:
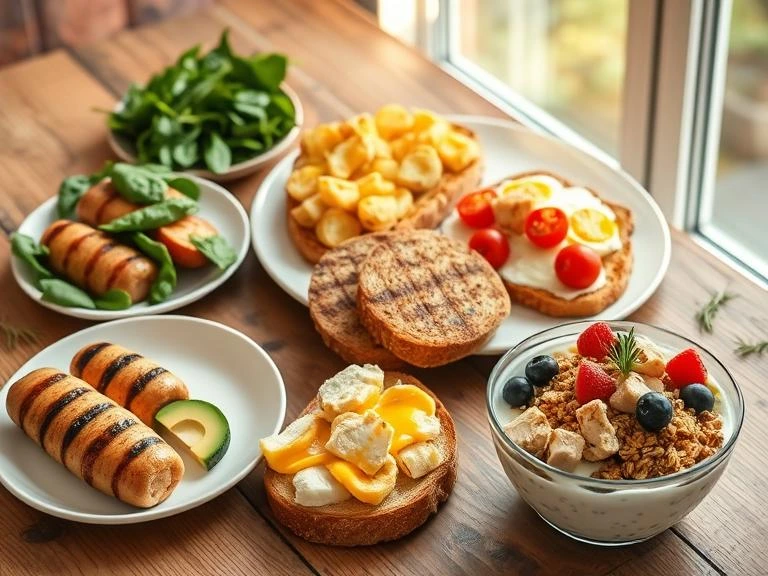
(218, 115)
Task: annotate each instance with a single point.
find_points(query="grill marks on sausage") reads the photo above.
(72, 248)
(140, 383)
(111, 195)
(88, 355)
(119, 267)
(81, 422)
(35, 392)
(99, 444)
(94, 259)
(133, 453)
(56, 231)
(115, 366)
(57, 406)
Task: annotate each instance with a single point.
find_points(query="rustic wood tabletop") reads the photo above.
(341, 64)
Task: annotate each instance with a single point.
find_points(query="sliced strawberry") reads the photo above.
(686, 368)
(593, 382)
(596, 341)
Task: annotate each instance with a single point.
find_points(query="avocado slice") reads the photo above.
(198, 425)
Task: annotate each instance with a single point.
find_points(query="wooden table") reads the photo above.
(341, 64)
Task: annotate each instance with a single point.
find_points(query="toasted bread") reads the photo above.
(429, 299)
(333, 304)
(618, 268)
(428, 211)
(353, 523)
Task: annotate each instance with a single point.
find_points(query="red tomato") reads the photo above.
(176, 238)
(577, 266)
(475, 208)
(546, 227)
(492, 245)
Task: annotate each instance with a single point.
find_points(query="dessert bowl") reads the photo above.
(599, 511)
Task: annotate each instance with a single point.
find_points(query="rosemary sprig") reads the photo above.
(15, 335)
(624, 352)
(745, 348)
(707, 314)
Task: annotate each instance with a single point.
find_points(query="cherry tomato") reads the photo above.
(475, 208)
(546, 227)
(577, 266)
(492, 245)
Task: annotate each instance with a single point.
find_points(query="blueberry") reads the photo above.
(541, 369)
(517, 391)
(698, 397)
(653, 411)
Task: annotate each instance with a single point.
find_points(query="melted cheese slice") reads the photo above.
(306, 450)
(411, 412)
(368, 489)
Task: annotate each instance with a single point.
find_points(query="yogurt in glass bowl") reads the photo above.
(609, 512)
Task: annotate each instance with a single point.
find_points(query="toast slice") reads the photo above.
(429, 299)
(353, 523)
(429, 209)
(333, 304)
(618, 269)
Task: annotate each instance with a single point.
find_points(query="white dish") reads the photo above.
(124, 150)
(235, 374)
(216, 205)
(509, 148)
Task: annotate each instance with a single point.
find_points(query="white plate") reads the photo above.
(508, 148)
(235, 374)
(217, 206)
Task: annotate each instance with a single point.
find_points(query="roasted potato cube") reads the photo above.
(302, 183)
(381, 148)
(377, 213)
(387, 167)
(421, 169)
(335, 226)
(402, 146)
(393, 121)
(363, 125)
(374, 184)
(423, 119)
(457, 151)
(325, 137)
(338, 193)
(308, 213)
(349, 155)
(404, 199)
(435, 133)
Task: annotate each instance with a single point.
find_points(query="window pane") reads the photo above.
(740, 205)
(566, 56)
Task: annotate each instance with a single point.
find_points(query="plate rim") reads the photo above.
(260, 199)
(171, 303)
(148, 514)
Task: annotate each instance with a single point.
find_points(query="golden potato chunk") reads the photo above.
(349, 155)
(421, 169)
(335, 226)
(308, 213)
(338, 193)
(393, 121)
(378, 213)
(457, 151)
(302, 183)
(374, 184)
(404, 199)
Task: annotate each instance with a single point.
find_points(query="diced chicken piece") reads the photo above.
(650, 361)
(655, 384)
(511, 210)
(530, 431)
(628, 392)
(361, 439)
(418, 459)
(565, 448)
(316, 486)
(352, 390)
(597, 431)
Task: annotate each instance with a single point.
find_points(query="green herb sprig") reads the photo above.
(706, 316)
(624, 353)
(15, 335)
(745, 348)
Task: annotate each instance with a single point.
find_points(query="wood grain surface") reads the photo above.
(341, 64)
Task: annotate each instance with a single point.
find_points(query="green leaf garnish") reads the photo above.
(624, 353)
(707, 314)
(745, 349)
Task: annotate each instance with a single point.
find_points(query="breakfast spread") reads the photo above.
(367, 461)
(415, 297)
(393, 169)
(616, 407)
(559, 248)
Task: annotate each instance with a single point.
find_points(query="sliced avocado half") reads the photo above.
(198, 425)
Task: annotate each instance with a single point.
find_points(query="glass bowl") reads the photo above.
(608, 512)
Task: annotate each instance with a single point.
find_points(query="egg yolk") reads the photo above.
(528, 188)
(592, 225)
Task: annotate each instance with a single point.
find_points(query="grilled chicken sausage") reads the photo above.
(97, 440)
(134, 382)
(96, 262)
(102, 203)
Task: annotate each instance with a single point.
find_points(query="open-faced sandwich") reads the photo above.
(395, 169)
(369, 460)
(559, 247)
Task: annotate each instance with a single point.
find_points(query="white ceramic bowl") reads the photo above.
(124, 149)
(608, 512)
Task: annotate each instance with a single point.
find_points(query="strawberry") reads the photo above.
(593, 382)
(686, 368)
(596, 341)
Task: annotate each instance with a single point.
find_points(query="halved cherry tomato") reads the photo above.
(577, 266)
(546, 227)
(475, 208)
(176, 238)
(492, 245)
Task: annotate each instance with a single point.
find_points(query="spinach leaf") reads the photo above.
(218, 156)
(70, 192)
(216, 249)
(186, 186)
(63, 293)
(165, 283)
(114, 299)
(269, 69)
(29, 251)
(152, 216)
(138, 184)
